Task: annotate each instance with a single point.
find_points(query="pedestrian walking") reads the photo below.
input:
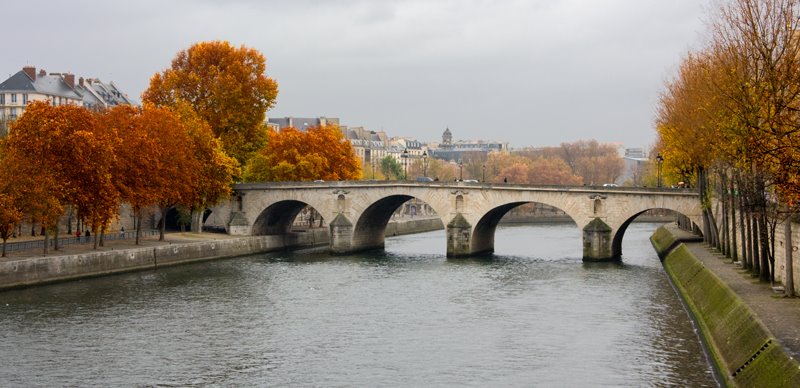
(87, 235)
(78, 235)
(122, 232)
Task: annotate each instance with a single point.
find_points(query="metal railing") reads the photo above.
(65, 241)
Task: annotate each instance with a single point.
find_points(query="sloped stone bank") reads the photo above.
(744, 351)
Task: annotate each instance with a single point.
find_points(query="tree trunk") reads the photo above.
(197, 220)
(137, 223)
(163, 224)
(734, 248)
(764, 274)
(726, 242)
(788, 284)
(753, 239)
(102, 236)
(46, 242)
(5, 240)
(743, 226)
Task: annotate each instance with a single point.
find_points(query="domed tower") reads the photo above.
(447, 139)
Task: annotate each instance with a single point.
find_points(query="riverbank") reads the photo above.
(30, 267)
(752, 335)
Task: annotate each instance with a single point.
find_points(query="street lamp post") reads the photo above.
(424, 163)
(660, 160)
(404, 156)
(460, 170)
(372, 164)
(483, 173)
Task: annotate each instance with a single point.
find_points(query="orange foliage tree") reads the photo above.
(216, 171)
(533, 169)
(226, 86)
(155, 163)
(291, 155)
(10, 212)
(58, 146)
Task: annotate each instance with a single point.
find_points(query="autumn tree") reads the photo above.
(61, 148)
(10, 191)
(155, 163)
(551, 171)
(292, 155)
(226, 86)
(730, 119)
(176, 178)
(216, 171)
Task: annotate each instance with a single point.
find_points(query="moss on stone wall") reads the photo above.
(745, 352)
(662, 241)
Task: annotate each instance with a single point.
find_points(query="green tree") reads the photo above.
(391, 168)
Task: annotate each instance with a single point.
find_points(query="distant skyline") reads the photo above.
(532, 73)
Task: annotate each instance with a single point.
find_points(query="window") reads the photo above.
(25, 99)
(2, 98)
(13, 98)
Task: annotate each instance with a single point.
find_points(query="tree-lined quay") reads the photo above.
(202, 121)
(729, 120)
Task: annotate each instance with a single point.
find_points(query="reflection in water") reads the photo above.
(531, 314)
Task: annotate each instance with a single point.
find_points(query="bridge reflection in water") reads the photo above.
(357, 212)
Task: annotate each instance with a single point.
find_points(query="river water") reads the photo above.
(533, 314)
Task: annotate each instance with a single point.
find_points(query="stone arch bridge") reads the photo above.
(357, 212)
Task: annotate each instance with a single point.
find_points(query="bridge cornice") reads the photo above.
(588, 190)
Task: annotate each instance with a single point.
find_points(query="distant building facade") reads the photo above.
(301, 123)
(453, 150)
(28, 85)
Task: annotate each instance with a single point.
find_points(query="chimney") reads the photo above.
(80, 81)
(70, 80)
(30, 71)
(42, 73)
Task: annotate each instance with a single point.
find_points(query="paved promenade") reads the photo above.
(779, 314)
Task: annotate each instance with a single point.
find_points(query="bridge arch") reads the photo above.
(370, 228)
(619, 235)
(278, 218)
(483, 234)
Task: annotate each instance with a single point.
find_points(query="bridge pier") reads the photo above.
(459, 233)
(597, 241)
(341, 234)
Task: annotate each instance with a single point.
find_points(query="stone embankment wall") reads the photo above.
(413, 226)
(744, 351)
(43, 270)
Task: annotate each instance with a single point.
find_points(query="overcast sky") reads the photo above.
(533, 73)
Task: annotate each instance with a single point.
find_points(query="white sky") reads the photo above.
(533, 73)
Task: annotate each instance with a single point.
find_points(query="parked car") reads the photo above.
(610, 185)
(424, 179)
